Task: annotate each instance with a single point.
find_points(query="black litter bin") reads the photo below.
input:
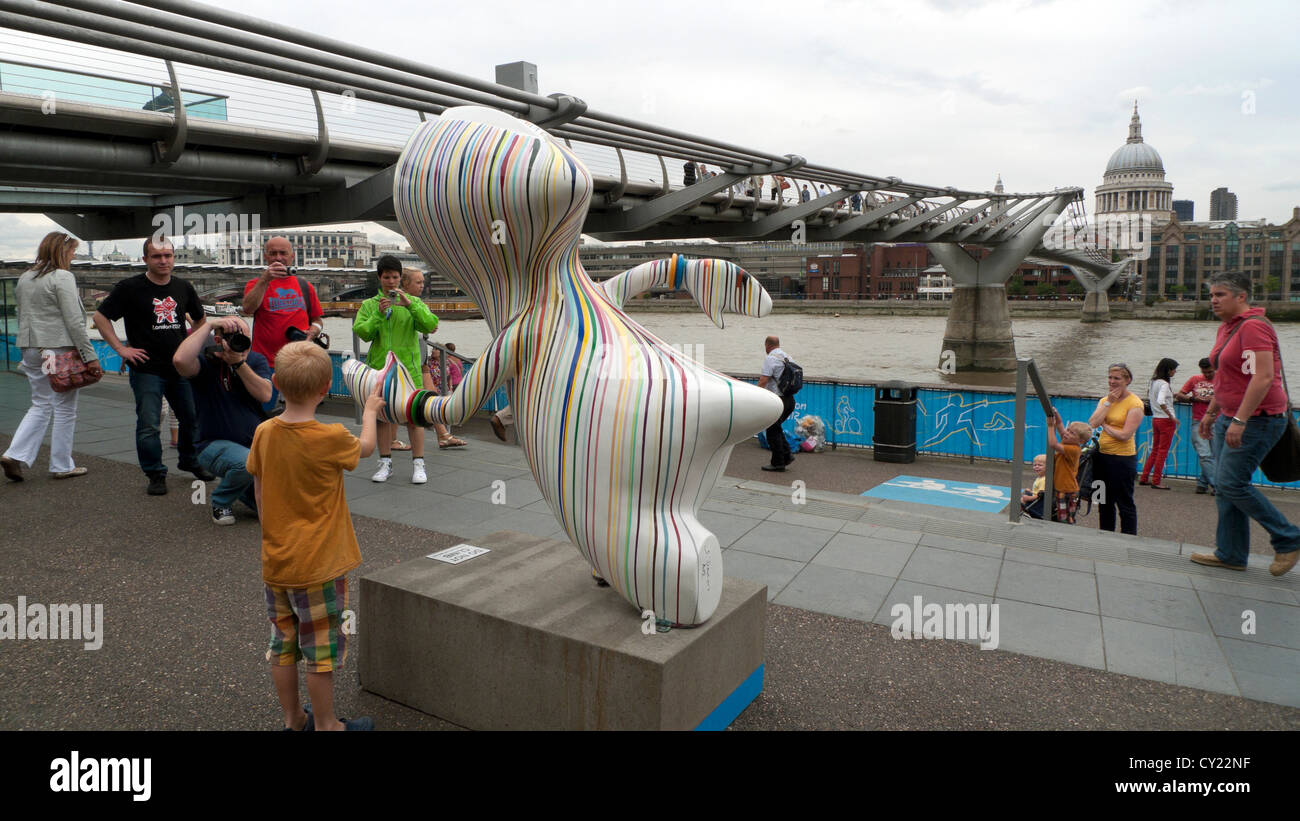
(894, 436)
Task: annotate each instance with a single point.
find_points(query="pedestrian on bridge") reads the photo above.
(50, 318)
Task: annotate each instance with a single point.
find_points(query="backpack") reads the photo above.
(791, 378)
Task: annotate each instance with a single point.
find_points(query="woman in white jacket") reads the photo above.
(50, 319)
(1163, 423)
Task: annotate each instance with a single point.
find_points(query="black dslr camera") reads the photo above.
(298, 335)
(237, 342)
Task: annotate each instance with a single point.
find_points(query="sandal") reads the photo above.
(450, 441)
(398, 444)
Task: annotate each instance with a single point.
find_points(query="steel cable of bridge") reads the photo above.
(298, 56)
(168, 45)
(267, 110)
(306, 39)
(450, 94)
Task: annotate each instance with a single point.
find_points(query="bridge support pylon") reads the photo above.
(979, 321)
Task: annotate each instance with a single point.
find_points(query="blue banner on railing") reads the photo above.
(978, 424)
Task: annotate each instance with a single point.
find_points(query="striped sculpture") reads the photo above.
(625, 436)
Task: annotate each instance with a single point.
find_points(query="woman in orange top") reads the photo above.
(1118, 413)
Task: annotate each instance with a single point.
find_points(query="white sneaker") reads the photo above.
(385, 470)
(418, 476)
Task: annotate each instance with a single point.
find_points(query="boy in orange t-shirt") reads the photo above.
(308, 544)
(1065, 473)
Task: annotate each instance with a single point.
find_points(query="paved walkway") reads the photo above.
(1126, 605)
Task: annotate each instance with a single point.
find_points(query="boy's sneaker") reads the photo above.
(418, 476)
(385, 470)
(157, 484)
(223, 515)
(358, 724)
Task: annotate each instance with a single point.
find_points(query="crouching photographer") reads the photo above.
(230, 384)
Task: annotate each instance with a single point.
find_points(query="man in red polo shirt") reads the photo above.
(277, 303)
(1247, 416)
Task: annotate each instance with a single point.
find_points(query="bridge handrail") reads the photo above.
(1026, 368)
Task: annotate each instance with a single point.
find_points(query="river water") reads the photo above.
(1071, 356)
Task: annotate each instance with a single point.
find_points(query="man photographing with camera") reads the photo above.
(230, 384)
(279, 301)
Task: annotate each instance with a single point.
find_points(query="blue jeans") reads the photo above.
(149, 390)
(229, 460)
(1205, 453)
(1239, 501)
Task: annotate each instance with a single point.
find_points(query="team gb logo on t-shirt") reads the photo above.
(164, 310)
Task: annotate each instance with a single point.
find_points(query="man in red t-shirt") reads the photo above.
(1247, 415)
(277, 303)
(1199, 390)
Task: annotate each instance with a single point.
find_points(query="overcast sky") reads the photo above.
(940, 92)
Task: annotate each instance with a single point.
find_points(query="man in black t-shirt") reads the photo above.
(229, 389)
(153, 307)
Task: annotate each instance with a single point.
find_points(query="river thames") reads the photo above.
(1072, 356)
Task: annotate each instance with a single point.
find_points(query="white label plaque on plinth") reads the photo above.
(458, 553)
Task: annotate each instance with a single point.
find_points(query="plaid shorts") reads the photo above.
(307, 623)
(1067, 502)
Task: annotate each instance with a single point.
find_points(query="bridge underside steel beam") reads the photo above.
(1094, 273)
(978, 335)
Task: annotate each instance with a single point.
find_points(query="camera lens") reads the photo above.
(295, 334)
(239, 342)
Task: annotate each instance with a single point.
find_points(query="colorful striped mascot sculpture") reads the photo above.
(625, 436)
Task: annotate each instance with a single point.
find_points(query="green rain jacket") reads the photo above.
(398, 333)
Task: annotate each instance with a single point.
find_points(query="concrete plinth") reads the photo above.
(979, 329)
(522, 638)
(1096, 307)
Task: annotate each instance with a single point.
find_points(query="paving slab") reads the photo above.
(1160, 604)
(517, 492)
(1165, 654)
(1143, 574)
(905, 592)
(1279, 595)
(1050, 586)
(953, 570)
(836, 591)
(1019, 554)
(1050, 632)
(784, 541)
(774, 572)
(1264, 673)
(993, 551)
(865, 555)
(882, 533)
(1273, 624)
(726, 527)
(806, 520)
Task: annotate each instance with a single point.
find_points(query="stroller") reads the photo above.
(1034, 508)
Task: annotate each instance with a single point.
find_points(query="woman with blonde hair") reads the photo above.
(1118, 414)
(51, 321)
